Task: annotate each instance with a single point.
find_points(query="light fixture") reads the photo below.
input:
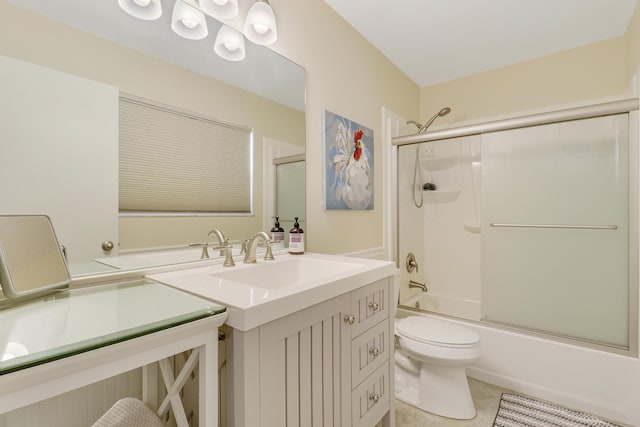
(142, 9)
(220, 9)
(229, 44)
(187, 21)
(260, 24)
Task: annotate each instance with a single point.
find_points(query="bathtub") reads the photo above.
(595, 381)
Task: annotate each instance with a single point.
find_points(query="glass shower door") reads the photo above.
(555, 235)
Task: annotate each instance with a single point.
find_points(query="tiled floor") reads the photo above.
(486, 398)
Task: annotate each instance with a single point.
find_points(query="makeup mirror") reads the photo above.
(31, 260)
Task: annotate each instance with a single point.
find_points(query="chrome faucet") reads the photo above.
(250, 256)
(224, 242)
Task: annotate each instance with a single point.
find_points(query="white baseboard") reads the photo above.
(371, 253)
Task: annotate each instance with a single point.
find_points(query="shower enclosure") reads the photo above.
(528, 223)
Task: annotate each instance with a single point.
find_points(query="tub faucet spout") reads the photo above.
(421, 286)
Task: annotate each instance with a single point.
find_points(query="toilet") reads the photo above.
(431, 356)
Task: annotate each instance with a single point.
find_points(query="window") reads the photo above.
(179, 163)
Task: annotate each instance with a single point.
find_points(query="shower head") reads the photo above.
(442, 112)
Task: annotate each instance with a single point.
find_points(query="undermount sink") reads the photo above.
(287, 273)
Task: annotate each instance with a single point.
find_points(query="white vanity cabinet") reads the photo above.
(371, 344)
(326, 365)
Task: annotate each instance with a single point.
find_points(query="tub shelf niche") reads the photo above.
(440, 196)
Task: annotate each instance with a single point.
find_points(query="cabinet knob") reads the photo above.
(374, 306)
(107, 245)
(375, 397)
(374, 351)
(350, 319)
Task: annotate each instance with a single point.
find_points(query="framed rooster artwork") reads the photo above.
(348, 164)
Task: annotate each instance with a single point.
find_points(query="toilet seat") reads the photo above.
(436, 332)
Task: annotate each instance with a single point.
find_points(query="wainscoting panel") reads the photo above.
(301, 366)
(81, 407)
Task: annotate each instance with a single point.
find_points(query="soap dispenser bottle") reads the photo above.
(277, 235)
(296, 239)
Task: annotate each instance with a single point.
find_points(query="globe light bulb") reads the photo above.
(189, 23)
(260, 28)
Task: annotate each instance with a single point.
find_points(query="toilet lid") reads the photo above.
(429, 330)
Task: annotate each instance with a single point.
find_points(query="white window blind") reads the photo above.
(174, 162)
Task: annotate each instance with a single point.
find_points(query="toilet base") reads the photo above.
(439, 390)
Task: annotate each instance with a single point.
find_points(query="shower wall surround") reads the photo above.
(528, 228)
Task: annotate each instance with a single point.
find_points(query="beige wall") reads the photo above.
(347, 76)
(632, 40)
(598, 70)
(56, 46)
(593, 71)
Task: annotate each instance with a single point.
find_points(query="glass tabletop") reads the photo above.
(84, 319)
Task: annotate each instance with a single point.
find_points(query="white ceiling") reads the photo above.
(433, 41)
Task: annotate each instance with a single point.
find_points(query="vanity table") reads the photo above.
(71, 339)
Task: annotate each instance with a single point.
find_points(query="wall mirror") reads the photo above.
(103, 48)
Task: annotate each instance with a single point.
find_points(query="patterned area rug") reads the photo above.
(520, 411)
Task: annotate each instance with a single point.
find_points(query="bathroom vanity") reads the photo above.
(309, 338)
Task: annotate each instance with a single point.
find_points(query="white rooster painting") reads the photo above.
(348, 164)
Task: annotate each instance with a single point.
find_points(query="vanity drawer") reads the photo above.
(369, 351)
(369, 306)
(371, 400)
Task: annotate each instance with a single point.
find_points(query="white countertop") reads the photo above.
(251, 306)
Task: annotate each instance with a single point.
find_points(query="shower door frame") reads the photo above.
(630, 106)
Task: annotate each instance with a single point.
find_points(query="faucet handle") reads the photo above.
(205, 251)
(227, 251)
(223, 245)
(411, 264)
(268, 256)
(245, 246)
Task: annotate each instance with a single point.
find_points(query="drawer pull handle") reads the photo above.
(374, 397)
(374, 306)
(375, 351)
(350, 319)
